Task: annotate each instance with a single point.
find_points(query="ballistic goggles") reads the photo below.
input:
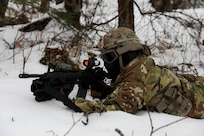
(109, 56)
(113, 51)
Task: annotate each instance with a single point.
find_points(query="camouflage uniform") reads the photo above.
(142, 84)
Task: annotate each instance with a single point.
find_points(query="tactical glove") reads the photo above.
(101, 90)
(88, 106)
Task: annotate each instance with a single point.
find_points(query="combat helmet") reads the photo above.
(119, 41)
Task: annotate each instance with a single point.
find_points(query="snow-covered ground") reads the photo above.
(21, 115)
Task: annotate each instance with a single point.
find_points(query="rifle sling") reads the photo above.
(66, 101)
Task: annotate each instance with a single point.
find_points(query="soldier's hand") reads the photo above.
(101, 90)
(88, 106)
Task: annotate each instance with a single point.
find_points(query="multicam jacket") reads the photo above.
(142, 84)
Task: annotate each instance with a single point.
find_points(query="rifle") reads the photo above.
(60, 82)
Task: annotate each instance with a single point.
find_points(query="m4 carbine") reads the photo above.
(60, 82)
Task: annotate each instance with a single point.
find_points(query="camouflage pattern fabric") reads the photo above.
(142, 84)
(122, 36)
(117, 35)
(55, 55)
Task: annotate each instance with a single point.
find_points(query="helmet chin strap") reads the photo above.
(121, 63)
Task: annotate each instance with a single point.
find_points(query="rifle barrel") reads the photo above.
(29, 75)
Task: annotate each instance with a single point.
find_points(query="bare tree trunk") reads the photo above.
(44, 6)
(3, 7)
(73, 7)
(126, 16)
